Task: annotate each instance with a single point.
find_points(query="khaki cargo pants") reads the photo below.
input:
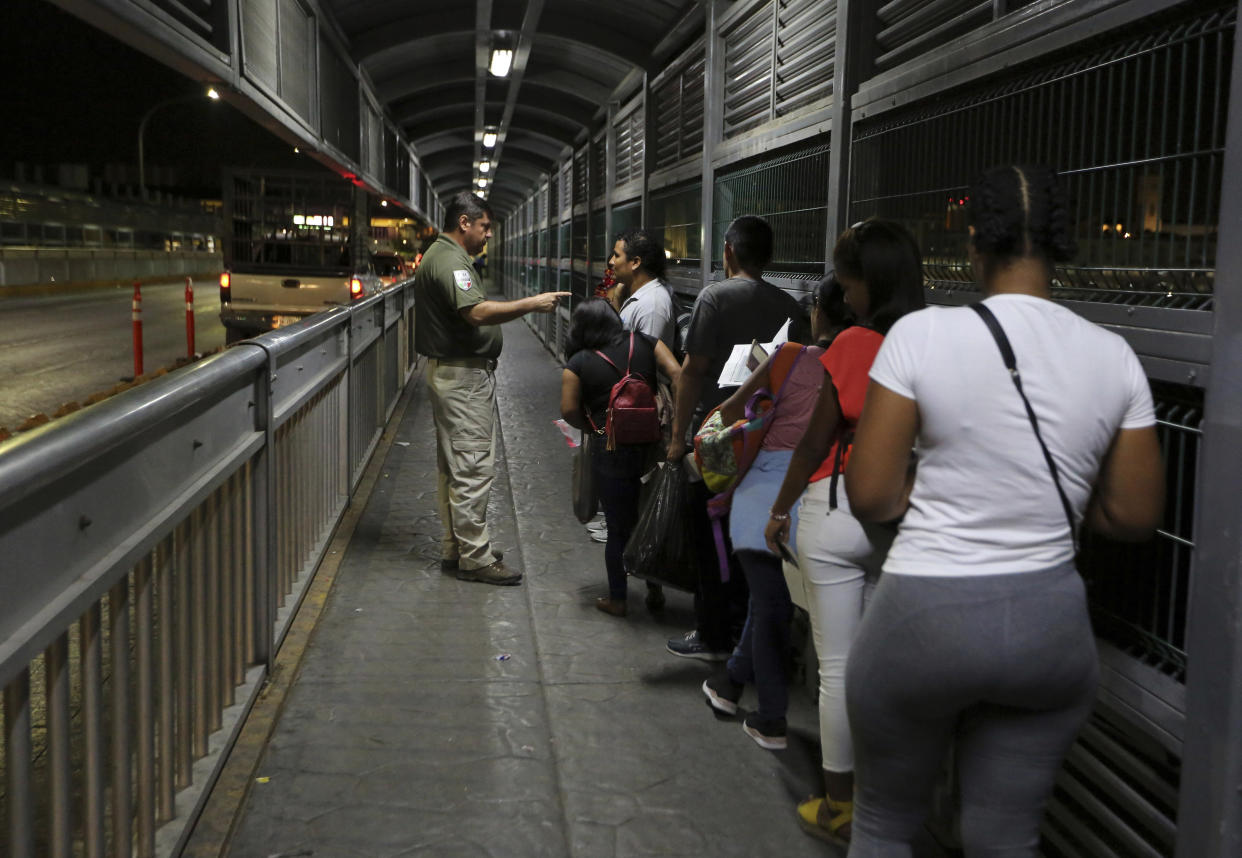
(463, 406)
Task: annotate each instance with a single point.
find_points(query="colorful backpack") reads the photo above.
(632, 415)
(724, 453)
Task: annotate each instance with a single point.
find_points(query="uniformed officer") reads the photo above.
(458, 328)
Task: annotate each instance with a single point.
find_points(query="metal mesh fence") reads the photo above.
(1136, 126)
(675, 216)
(1139, 592)
(791, 192)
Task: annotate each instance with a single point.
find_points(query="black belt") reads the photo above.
(488, 364)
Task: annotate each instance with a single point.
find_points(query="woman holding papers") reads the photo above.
(879, 267)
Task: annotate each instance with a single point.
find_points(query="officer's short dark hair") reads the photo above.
(750, 236)
(647, 247)
(465, 203)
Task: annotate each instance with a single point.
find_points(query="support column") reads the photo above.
(713, 101)
(1210, 801)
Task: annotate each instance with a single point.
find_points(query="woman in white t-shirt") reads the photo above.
(978, 634)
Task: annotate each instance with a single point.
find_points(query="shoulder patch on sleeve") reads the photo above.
(462, 276)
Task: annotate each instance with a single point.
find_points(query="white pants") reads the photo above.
(840, 559)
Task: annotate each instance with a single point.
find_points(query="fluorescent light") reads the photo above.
(484, 166)
(482, 183)
(502, 59)
(489, 139)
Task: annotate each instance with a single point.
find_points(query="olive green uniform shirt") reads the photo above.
(445, 284)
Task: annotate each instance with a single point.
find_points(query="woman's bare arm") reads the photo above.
(571, 400)
(1128, 500)
(877, 480)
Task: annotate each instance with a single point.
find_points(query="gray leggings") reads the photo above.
(1003, 667)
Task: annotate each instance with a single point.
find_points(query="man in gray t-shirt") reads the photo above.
(647, 307)
(740, 309)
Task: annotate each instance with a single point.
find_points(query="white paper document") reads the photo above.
(746, 357)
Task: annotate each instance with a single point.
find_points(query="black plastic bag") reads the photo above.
(661, 548)
(585, 496)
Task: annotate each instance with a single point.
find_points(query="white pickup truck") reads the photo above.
(294, 244)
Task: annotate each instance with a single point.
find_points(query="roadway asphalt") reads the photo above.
(64, 348)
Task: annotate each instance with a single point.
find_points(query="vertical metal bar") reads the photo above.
(183, 645)
(198, 630)
(90, 644)
(18, 753)
(144, 650)
(250, 550)
(60, 773)
(228, 540)
(211, 590)
(264, 517)
(713, 100)
(122, 780)
(1210, 804)
(238, 567)
(164, 747)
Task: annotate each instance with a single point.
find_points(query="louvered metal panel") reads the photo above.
(630, 146)
(748, 71)
(339, 100)
(373, 141)
(599, 166)
(581, 188)
(297, 55)
(806, 42)
(677, 105)
(259, 43)
(207, 19)
(567, 190)
(912, 27)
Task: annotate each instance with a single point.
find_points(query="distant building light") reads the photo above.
(489, 139)
(383, 202)
(502, 61)
(213, 94)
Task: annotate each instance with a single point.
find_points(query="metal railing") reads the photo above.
(155, 548)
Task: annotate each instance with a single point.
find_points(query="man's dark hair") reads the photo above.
(648, 248)
(593, 325)
(465, 203)
(750, 236)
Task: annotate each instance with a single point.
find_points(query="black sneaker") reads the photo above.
(769, 735)
(723, 694)
(689, 646)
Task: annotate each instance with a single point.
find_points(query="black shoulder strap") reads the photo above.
(1002, 342)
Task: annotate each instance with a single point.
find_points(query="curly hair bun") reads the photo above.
(1022, 210)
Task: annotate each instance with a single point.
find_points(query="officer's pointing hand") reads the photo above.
(549, 300)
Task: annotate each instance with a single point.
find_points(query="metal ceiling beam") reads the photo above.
(521, 55)
(575, 112)
(444, 19)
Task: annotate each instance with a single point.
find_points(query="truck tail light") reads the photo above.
(224, 287)
(355, 288)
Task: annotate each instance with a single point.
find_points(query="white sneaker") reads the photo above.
(599, 535)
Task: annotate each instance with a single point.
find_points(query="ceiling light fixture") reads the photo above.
(489, 139)
(484, 166)
(482, 183)
(502, 61)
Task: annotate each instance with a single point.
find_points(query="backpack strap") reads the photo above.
(1011, 363)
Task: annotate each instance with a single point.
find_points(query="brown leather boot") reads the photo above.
(616, 607)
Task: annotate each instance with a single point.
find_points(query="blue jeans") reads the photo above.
(760, 656)
(618, 476)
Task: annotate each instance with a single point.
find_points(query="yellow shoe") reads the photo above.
(824, 818)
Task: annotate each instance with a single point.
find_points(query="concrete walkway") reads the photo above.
(442, 718)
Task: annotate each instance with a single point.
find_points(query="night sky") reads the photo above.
(74, 94)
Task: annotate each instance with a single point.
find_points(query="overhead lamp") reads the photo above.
(489, 139)
(502, 61)
(482, 183)
(484, 166)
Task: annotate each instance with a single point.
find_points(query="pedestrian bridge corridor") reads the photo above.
(189, 686)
